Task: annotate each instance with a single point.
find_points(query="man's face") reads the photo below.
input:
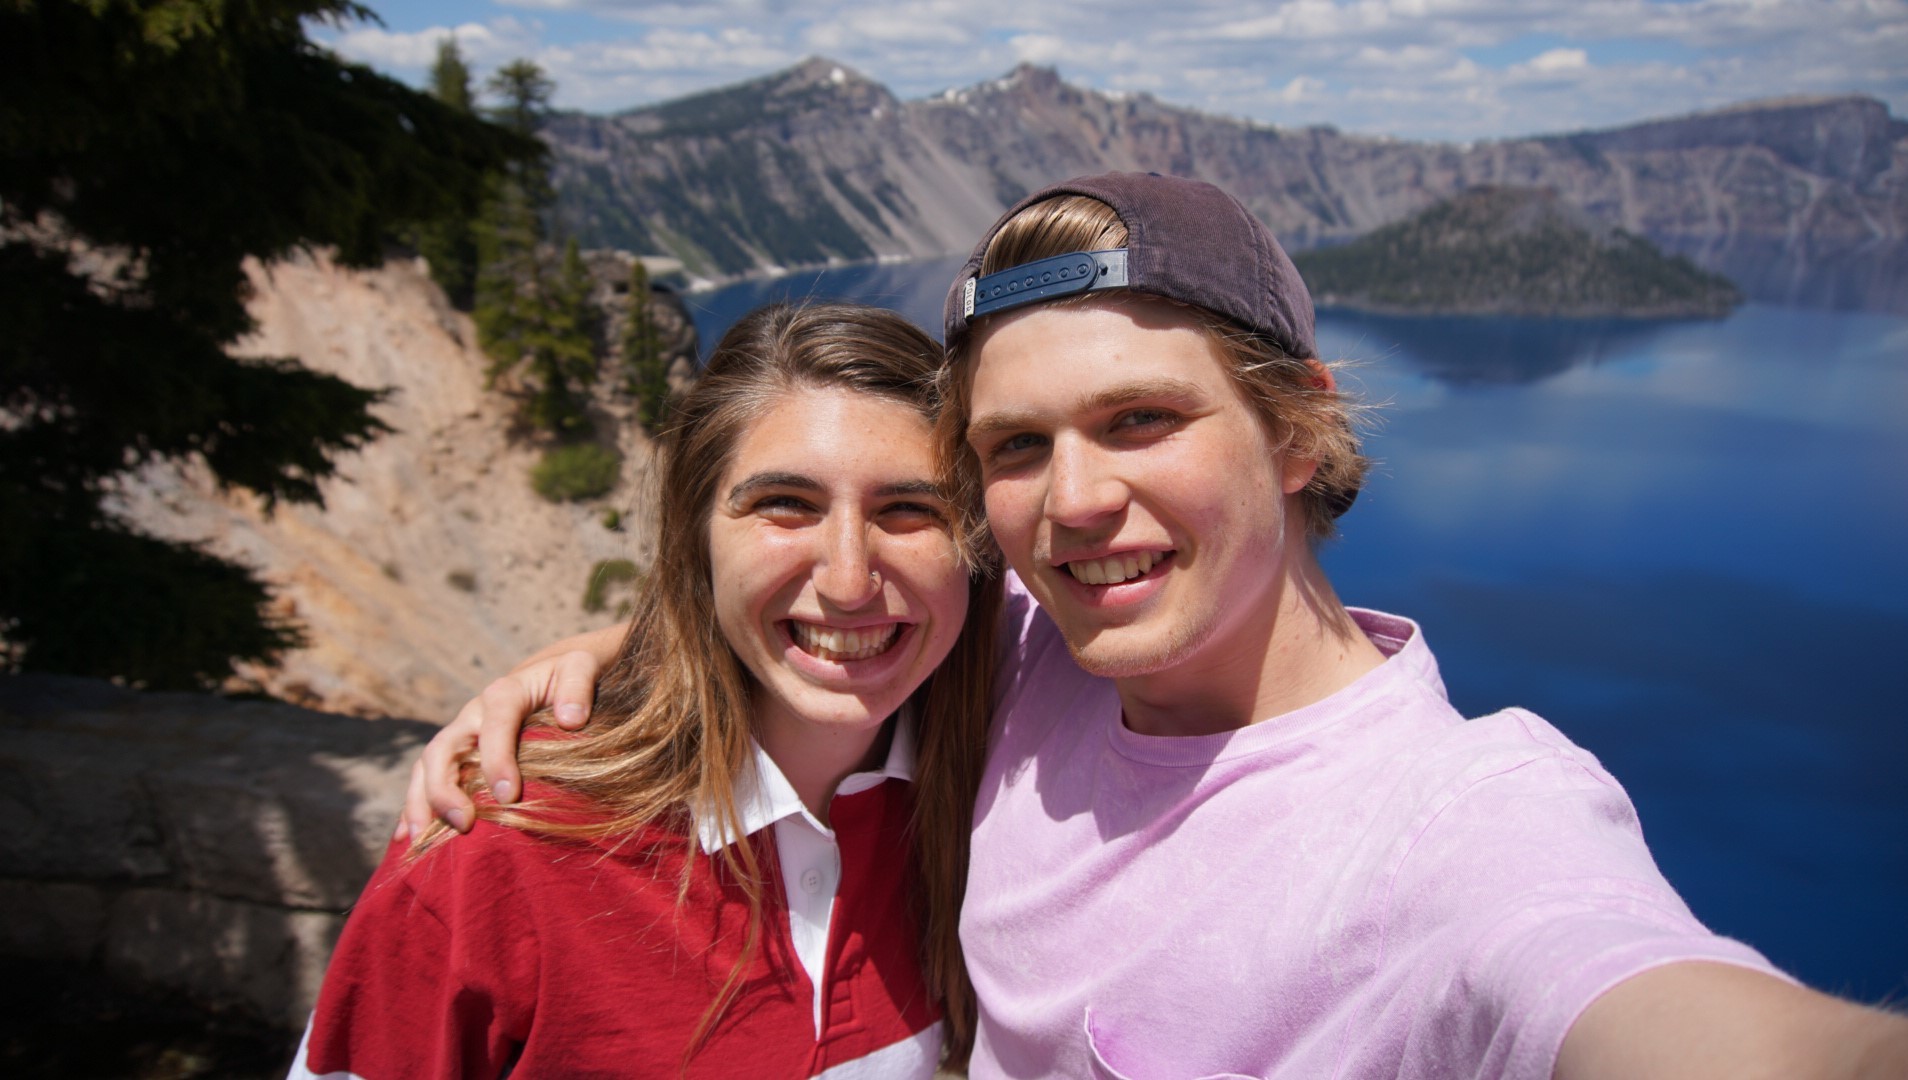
(1130, 485)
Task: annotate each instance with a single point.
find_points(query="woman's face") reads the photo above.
(836, 576)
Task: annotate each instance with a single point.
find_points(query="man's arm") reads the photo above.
(560, 677)
(1699, 1020)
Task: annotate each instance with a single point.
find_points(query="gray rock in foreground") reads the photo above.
(190, 843)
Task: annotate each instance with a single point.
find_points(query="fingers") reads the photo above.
(505, 705)
(416, 815)
(493, 721)
(574, 688)
(437, 772)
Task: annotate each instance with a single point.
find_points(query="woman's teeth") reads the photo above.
(829, 643)
(1114, 568)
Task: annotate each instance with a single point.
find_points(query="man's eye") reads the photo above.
(1145, 418)
(1017, 444)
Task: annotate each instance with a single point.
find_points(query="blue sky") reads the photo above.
(1419, 69)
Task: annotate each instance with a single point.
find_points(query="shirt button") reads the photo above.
(811, 881)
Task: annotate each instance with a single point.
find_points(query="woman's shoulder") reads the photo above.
(554, 835)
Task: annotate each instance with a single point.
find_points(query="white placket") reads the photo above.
(811, 877)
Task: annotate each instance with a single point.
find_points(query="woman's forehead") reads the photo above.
(837, 426)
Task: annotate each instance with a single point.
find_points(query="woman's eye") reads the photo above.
(782, 506)
(912, 515)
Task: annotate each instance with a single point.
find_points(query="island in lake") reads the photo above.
(1512, 251)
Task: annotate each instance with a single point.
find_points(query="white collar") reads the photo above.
(763, 795)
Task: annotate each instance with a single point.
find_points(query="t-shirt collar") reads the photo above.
(763, 795)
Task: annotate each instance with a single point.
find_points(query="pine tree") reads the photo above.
(449, 245)
(645, 371)
(450, 77)
(562, 355)
(146, 150)
(532, 313)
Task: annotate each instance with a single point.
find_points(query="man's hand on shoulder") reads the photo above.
(561, 678)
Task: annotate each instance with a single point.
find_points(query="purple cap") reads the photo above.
(1187, 241)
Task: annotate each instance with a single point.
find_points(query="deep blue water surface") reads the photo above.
(1683, 543)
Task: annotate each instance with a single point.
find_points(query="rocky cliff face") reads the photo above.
(1805, 199)
(433, 565)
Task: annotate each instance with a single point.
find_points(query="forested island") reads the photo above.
(1512, 251)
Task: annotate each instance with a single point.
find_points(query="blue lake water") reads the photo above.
(1683, 543)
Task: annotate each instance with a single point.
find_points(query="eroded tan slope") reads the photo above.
(433, 563)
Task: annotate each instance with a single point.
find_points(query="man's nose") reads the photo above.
(1082, 485)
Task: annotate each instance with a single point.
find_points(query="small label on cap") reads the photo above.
(968, 299)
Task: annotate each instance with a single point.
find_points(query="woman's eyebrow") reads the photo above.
(910, 487)
(758, 481)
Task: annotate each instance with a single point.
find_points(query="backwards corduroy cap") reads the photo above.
(1186, 240)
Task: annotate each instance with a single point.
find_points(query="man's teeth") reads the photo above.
(1114, 568)
(830, 643)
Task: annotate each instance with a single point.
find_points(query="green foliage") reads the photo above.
(532, 314)
(612, 519)
(146, 149)
(576, 471)
(645, 368)
(450, 77)
(449, 244)
(604, 576)
(526, 94)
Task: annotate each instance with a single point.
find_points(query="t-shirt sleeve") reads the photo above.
(432, 975)
(1527, 892)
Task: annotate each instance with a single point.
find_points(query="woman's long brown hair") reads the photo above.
(669, 735)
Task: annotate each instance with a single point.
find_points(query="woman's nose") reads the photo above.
(846, 575)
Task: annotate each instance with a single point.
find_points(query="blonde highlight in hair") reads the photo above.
(1304, 417)
(669, 737)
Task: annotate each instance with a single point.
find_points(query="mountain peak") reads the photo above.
(820, 70)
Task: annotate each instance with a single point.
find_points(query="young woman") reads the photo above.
(728, 871)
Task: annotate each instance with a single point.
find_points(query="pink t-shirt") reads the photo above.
(1368, 886)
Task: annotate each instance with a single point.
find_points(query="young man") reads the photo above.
(1229, 826)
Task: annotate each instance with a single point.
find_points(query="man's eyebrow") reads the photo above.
(758, 481)
(1141, 390)
(1110, 397)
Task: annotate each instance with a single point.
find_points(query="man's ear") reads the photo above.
(1298, 470)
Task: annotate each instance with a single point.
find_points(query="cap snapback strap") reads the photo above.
(1081, 271)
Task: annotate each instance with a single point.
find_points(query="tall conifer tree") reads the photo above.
(645, 372)
(146, 149)
(529, 312)
(449, 245)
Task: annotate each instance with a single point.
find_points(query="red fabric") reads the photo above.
(507, 950)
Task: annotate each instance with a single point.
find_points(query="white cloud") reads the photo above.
(1554, 61)
(494, 42)
(1299, 89)
(1392, 66)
